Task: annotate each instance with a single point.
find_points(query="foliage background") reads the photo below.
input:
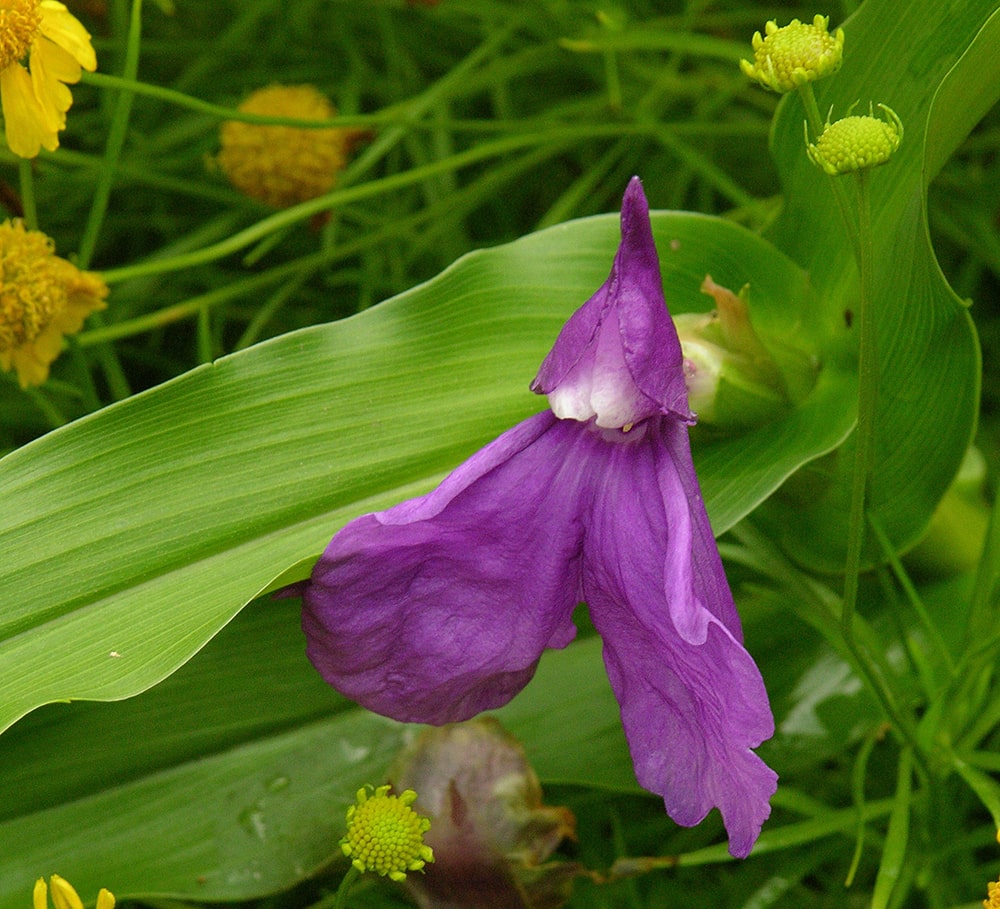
(490, 119)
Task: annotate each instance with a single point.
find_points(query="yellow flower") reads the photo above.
(993, 896)
(855, 143)
(385, 835)
(284, 165)
(42, 298)
(795, 54)
(65, 897)
(55, 45)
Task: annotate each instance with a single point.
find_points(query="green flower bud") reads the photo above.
(385, 835)
(795, 54)
(856, 142)
(733, 380)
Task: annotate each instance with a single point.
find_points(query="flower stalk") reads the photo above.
(864, 434)
(816, 124)
(343, 890)
(27, 180)
(856, 145)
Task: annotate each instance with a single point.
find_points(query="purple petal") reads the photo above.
(440, 607)
(618, 357)
(693, 702)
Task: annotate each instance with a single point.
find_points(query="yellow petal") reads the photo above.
(63, 894)
(47, 346)
(31, 370)
(62, 27)
(105, 899)
(40, 896)
(51, 66)
(25, 122)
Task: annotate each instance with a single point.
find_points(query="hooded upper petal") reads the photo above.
(440, 607)
(618, 359)
(693, 702)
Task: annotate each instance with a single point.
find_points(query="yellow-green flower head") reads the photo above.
(284, 165)
(856, 142)
(794, 54)
(385, 835)
(65, 897)
(42, 298)
(42, 51)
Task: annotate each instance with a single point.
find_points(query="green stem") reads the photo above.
(864, 436)
(817, 124)
(864, 433)
(53, 415)
(424, 223)
(131, 86)
(27, 176)
(981, 623)
(808, 97)
(911, 593)
(336, 198)
(116, 140)
(613, 81)
(430, 99)
(893, 858)
(113, 372)
(817, 608)
(858, 775)
(345, 887)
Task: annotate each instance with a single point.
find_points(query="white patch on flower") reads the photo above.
(600, 386)
(571, 400)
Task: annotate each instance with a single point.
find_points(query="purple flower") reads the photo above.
(440, 607)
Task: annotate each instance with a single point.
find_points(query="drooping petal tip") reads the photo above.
(693, 702)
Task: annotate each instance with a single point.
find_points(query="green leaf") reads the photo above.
(135, 534)
(937, 69)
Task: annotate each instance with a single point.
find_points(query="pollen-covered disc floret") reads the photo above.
(992, 900)
(284, 165)
(42, 298)
(64, 896)
(856, 142)
(19, 22)
(385, 835)
(794, 54)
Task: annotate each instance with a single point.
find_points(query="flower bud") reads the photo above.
(856, 142)
(385, 835)
(732, 379)
(492, 836)
(42, 298)
(285, 165)
(795, 54)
